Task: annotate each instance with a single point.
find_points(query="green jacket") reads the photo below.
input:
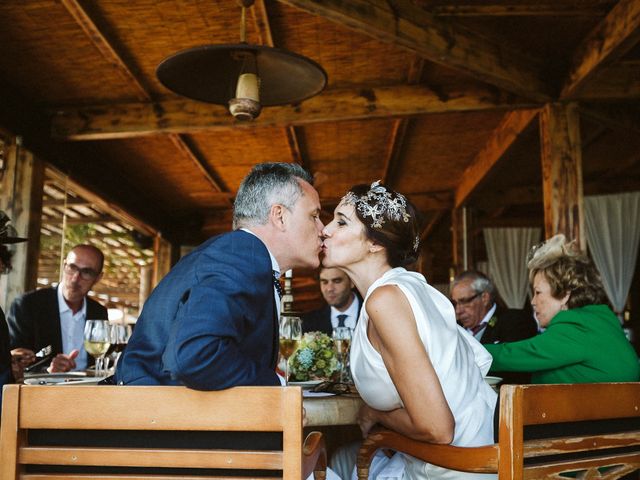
(580, 345)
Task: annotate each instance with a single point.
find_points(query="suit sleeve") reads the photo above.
(20, 322)
(559, 346)
(211, 348)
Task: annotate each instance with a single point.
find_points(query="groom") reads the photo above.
(212, 322)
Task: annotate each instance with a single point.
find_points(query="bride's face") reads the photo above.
(345, 241)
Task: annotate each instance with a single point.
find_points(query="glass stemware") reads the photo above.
(290, 336)
(342, 341)
(97, 340)
(120, 334)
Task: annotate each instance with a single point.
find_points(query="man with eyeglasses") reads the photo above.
(473, 296)
(56, 315)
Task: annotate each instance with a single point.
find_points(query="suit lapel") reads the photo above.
(53, 319)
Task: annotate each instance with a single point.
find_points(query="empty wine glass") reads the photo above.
(290, 336)
(342, 341)
(97, 340)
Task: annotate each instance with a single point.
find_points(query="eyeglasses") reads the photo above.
(465, 301)
(337, 388)
(85, 273)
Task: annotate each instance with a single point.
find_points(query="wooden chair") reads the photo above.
(595, 448)
(121, 410)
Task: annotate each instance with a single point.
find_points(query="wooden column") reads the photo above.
(21, 187)
(457, 239)
(162, 258)
(562, 172)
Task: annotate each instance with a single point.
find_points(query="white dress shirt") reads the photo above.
(351, 313)
(72, 329)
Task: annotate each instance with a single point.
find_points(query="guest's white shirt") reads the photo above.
(351, 313)
(72, 329)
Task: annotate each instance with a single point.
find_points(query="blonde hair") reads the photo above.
(568, 270)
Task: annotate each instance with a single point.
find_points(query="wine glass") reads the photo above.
(97, 340)
(290, 336)
(342, 341)
(120, 334)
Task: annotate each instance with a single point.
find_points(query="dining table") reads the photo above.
(331, 410)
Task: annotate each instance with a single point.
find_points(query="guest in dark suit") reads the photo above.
(473, 295)
(8, 235)
(342, 307)
(56, 316)
(211, 323)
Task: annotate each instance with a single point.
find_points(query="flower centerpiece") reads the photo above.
(315, 358)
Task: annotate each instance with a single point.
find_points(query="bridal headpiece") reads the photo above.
(377, 203)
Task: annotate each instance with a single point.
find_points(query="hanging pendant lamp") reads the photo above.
(241, 76)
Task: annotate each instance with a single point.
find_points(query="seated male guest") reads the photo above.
(56, 315)
(342, 307)
(211, 323)
(473, 295)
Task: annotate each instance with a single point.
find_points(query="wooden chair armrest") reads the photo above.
(314, 456)
(467, 459)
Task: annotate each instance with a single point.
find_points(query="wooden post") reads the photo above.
(562, 172)
(21, 198)
(162, 259)
(457, 234)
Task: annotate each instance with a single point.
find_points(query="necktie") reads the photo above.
(276, 283)
(478, 327)
(341, 318)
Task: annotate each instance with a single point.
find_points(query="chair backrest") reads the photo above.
(546, 431)
(592, 428)
(121, 411)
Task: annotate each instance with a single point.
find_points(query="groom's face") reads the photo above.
(304, 229)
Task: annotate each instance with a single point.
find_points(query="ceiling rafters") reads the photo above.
(555, 9)
(393, 158)
(263, 26)
(437, 40)
(510, 128)
(188, 116)
(608, 41)
(105, 47)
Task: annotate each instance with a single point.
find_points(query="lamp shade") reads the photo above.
(210, 73)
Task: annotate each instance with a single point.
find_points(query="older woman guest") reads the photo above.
(417, 371)
(583, 341)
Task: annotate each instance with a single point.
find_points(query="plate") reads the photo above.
(67, 378)
(493, 380)
(308, 383)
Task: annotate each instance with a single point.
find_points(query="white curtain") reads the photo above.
(613, 231)
(507, 250)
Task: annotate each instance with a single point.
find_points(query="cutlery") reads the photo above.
(44, 354)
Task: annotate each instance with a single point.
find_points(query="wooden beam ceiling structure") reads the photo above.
(106, 48)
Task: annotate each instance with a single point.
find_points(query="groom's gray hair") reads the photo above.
(267, 184)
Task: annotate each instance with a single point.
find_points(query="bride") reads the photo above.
(417, 371)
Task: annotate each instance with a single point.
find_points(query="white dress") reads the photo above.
(458, 359)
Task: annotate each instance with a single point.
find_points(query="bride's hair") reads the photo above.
(390, 220)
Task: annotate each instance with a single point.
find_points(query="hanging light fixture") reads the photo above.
(241, 76)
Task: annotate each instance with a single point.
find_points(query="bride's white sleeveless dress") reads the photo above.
(459, 361)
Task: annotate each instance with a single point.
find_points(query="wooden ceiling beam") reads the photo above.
(263, 27)
(126, 120)
(393, 158)
(594, 8)
(404, 24)
(105, 47)
(608, 41)
(510, 128)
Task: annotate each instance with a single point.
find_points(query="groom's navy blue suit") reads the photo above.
(210, 323)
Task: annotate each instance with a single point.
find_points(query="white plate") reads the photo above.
(308, 383)
(67, 378)
(493, 380)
